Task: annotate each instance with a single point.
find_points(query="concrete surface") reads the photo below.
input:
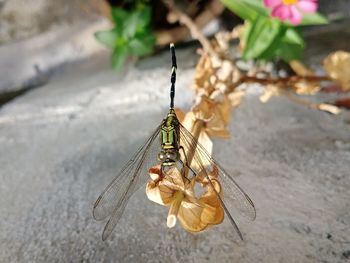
(61, 144)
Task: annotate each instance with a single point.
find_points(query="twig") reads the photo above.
(191, 25)
(318, 106)
(286, 81)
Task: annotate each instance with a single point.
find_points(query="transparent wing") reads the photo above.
(113, 200)
(233, 195)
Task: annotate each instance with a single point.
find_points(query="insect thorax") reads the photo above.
(169, 139)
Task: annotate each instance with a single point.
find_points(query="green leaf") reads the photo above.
(257, 6)
(289, 52)
(246, 32)
(119, 56)
(107, 38)
(119, 15)
(313, 19)
(241, 9)
(132, 34)
(137, 22)
(283, 50)
(142, 44)
(287, 47)
(131, 23)
(262, 35)
(144, 20)
(292, 36)
(247, 9)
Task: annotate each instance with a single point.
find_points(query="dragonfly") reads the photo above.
(167, 147)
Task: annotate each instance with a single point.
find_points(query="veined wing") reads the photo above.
(113, 200)
(233, 194)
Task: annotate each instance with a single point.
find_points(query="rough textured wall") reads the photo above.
(335, 6)
(20, 19)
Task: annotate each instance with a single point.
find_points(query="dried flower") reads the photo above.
(174, 190)
(213, 115)
(203, 83)
(214, 73)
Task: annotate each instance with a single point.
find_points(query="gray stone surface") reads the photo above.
(21, 19)
(27, 64)
(38, 38)
(335, 7)
(62, 143)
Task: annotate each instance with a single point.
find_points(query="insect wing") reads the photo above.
(113, 200)
(234, 196)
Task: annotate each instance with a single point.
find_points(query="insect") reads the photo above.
(170, 144)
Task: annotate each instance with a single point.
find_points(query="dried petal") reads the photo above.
(223, 38)
(216, 116)
(224, 109)
(235, 97)
(225, 71)
(190, 217)
(162, 190)
(304, 87)
(159, 194)
(300, 68)
(204, 109)
(213, 213)
(212, 174)
(270, 91)
(337, 65)
(329, 108)
(196, 217)
(204, 71)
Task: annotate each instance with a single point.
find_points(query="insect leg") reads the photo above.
(186, 161)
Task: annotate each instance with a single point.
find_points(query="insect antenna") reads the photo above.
(173, 75)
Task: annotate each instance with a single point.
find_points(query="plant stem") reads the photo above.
(174, 209)
(181, 33)
(191, 25)
(196, 130)
(286, 81)
(318, 106)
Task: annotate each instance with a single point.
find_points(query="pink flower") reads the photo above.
(291, 10)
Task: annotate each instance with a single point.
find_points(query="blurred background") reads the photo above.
(39, 38)
(69, 121)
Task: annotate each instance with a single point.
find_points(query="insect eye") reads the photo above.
(161, 156)
(171, 156)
